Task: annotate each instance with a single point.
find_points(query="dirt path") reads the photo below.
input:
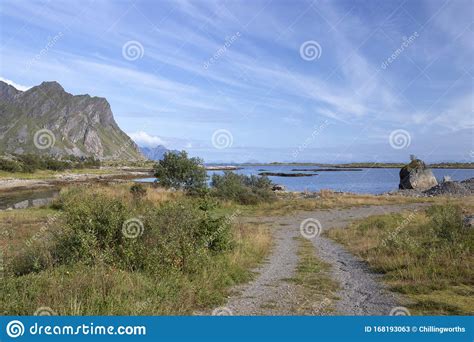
(361, 291)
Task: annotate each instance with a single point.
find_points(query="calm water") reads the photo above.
(369, 181)
(27, 198)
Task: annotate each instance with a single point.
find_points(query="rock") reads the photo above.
(448, 188)
(417, 176)
(447, 179)
(468, 184)
(468, 221)
(63, 123)
(278, 187)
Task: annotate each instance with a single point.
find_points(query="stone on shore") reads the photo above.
(278, 187)
(417, 175)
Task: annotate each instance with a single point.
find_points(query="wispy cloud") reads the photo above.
(16, 85)
(146, 140)
(259, 87)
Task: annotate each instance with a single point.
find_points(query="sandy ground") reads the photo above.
(361, 291)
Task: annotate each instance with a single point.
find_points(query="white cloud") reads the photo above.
(13, 84)
(146, 140)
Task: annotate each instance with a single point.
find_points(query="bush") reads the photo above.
(31, 162)
(10, 165)
(446, 221)
(101, 229)
(138, 190)
(178, 171)
(241, 188)
(183, 233)
(93, 231)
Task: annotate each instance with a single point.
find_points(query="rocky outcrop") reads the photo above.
(80, 125)
(278, 187)
(449, 188)
(417, 176)
(468, 221)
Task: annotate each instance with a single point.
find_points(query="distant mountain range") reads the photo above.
(155, 153)
(47, 119)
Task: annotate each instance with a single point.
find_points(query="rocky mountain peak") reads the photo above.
(51, 86)
(80, 125)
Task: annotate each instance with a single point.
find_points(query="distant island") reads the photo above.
(369, 165)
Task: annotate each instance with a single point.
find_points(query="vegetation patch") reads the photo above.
(425, 255)
(29, 163)
(316, 289)
(242, 189)
(111, 255)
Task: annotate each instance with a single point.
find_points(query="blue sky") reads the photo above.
(387, 78)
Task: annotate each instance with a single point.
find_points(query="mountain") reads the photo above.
(47, 119)
(155, 153)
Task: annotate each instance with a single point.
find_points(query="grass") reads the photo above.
(315, 287)
(288, 203)
(19, 226)
(105, 290)
(427, 256)
(102, 287)
(326, 199)
(48, 174)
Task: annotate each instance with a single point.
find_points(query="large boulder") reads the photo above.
(278, 187)
(417, 176)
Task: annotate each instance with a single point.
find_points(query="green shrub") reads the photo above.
(93, 231)
(138, 190)
(10, 165)
(183, 233)
(33, 259)
(178, 171)
(101, 229)
(241, 188)
(446, 221)
(31, 162)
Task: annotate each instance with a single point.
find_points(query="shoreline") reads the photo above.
(63, 179)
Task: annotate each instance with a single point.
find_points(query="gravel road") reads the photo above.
(361, 292)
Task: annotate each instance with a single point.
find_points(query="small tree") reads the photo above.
(241, 188)
(178, 171)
